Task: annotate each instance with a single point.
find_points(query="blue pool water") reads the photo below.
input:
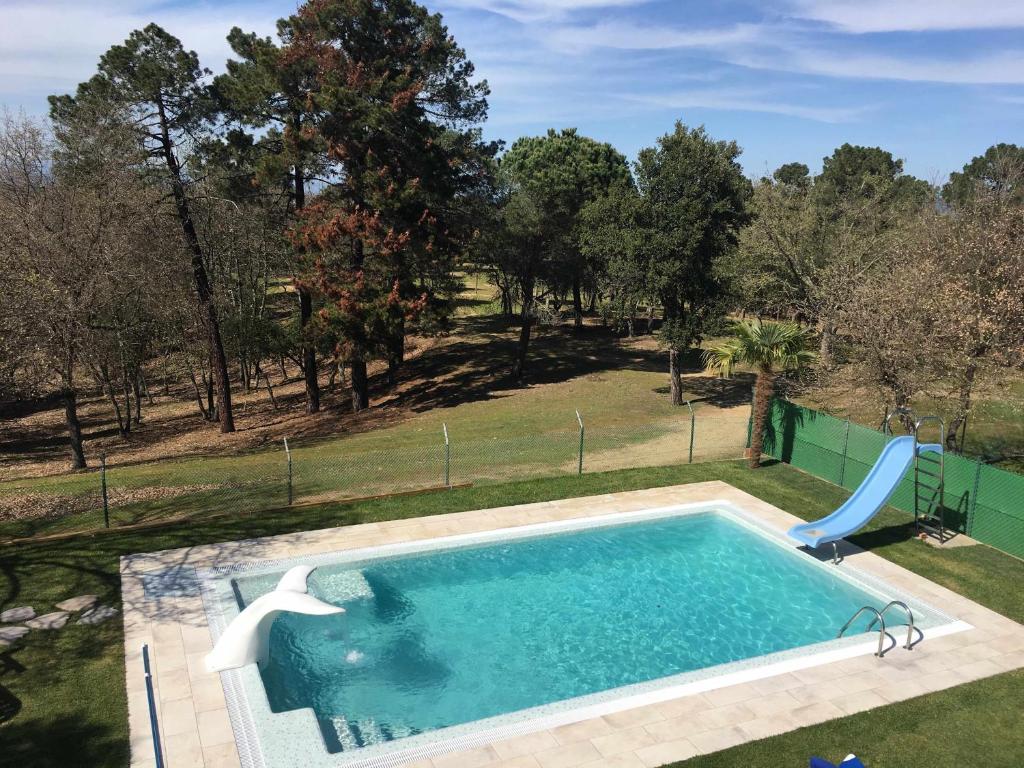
(452, 636)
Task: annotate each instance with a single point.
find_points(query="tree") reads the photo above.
(769, 347)
(999, 172)
(264, 90)
(809, 247)
(694, 202)
(396, 107)
(75, 228)
(977, 255)
(612, 236)
(153, 84)
(793, 174)
(562, 172)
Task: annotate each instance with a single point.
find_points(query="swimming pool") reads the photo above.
(488, 633)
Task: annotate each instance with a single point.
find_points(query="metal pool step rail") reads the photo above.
(880, 620)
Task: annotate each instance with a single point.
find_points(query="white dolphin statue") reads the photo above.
(245, 639)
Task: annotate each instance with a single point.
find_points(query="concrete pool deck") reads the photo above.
(196, 731)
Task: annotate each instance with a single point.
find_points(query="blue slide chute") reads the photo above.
(869, 498)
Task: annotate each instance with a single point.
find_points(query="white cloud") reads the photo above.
(750, 101)
(1001, 68)
(527, 11)
(861, 16)
(629, 36)
(55, 45)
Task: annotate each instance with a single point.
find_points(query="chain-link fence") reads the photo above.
(986, 503)
(295, 474)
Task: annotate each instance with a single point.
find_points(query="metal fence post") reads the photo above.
(447, 458)
(103, 490)
(288, 454)
(579, 419)
(846, 445)
(974, 498)
(693, 426)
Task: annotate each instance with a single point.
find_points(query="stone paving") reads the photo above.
(80, 603)
(48, 621)
(14, 615)
(91, 614)
(197, 732)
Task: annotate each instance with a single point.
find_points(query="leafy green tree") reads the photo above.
(153, 84)
(397, 109)
(793, 174)
(561, 172)
(999, 172)
(268, 92)
(612, 236)
(694, 203)
(867, 172)
(769, 347)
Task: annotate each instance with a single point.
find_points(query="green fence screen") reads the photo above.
(984, 502)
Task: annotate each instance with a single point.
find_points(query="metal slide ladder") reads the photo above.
(929, 479)
(880, 620)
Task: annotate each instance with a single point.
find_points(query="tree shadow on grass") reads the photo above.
(76, 740)
(478, 368)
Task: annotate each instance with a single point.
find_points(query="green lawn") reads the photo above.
(62, 699)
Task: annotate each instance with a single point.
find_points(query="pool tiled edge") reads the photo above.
(197, 726)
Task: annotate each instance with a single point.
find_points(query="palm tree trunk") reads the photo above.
(764, 388)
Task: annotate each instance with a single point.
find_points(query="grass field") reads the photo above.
(62, 694)
(497, 431)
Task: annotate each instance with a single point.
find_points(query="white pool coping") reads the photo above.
(180, 632)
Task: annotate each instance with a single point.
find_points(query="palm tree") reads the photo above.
(770, 347)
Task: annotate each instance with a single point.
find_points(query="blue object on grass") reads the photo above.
(850, 761)
(879, 485)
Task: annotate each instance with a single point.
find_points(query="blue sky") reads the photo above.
(933, 81)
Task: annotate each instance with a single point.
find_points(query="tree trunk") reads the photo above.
(675, 377)
(826, 358)
(266, 380)
(526, 323)
(309, 368)
(211, 403)
(308, 353)
(137, 391)
(360, 386)
(204, 293)
(199, 394)
(764, 388)
(577, 304)
(360, 381)
(396, 351)
(70, 398)
(963, 408)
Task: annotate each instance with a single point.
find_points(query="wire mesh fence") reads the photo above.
(981, 501)
(293, 475)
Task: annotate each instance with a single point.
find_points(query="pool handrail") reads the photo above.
(910, 620)
(879, 618)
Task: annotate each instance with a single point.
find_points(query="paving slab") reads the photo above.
(54, 620)
(15, 615)
(97, 615)
(80, 603)
(9, 635)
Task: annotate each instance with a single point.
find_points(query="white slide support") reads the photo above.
(245, 641)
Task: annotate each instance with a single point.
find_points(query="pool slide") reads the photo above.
(245, 640)
(879, 485)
